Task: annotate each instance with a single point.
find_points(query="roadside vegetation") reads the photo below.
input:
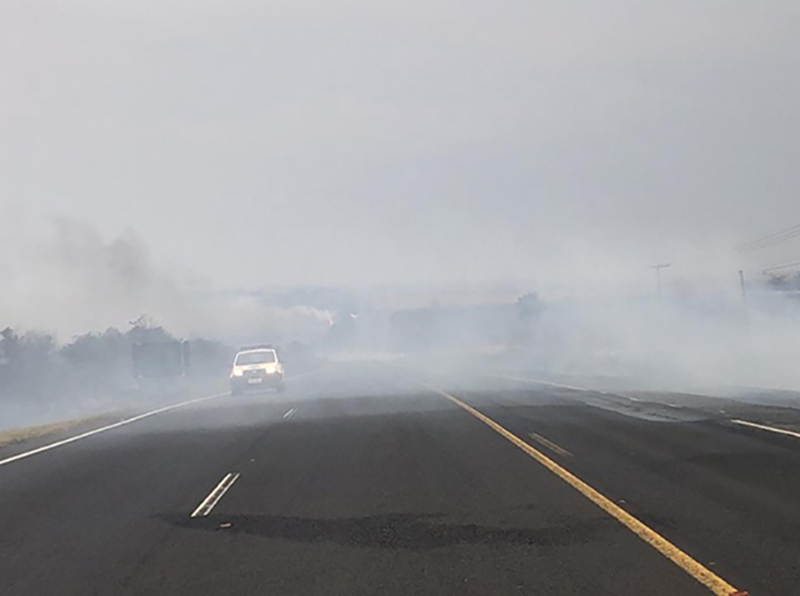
(37, 372)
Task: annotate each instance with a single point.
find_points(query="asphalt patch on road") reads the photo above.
(394, 531)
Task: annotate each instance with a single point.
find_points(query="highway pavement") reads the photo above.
(369, 479)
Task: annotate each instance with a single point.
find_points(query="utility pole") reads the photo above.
(741, 283)
(658, 267)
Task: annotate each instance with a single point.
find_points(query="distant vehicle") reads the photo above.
(256, 368)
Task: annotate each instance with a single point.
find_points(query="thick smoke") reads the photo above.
(70, 279)
(564, 147)
(73, 303)
(707, 341)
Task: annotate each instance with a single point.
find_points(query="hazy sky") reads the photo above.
(258, 142)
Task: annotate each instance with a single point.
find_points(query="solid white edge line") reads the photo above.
(215, 496)
(562, 386)
(772, 429)
(539, 382)
(96, 431)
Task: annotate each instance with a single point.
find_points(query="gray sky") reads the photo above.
(393, 141)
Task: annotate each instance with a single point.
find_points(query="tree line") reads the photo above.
(34, 366)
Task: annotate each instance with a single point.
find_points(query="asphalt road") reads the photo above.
(361, 480)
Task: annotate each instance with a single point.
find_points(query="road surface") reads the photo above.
(366, 479)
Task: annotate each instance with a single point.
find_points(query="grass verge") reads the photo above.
(20, 435)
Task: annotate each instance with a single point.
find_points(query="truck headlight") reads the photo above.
(271, 370)
(237, 373)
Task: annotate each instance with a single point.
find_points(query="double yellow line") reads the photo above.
(695, 569)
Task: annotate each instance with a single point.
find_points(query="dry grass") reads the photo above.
(20, 435)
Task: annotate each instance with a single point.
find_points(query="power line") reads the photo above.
(770, 239)
(770, 242)
(784, 266)
(769, 236)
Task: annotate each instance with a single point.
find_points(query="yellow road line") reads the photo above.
(695, 569)
(550, 445)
